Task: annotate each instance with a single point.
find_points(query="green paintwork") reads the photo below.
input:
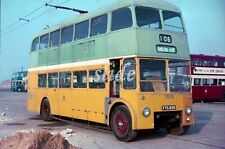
(125, 42)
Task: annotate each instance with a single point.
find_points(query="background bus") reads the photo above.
(19, 81)
(124, 66)
(208, 77)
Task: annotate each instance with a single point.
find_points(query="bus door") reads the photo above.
(114, 90)
(97, 92)
(128, 84)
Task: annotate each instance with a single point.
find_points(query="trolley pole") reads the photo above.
(67, 8)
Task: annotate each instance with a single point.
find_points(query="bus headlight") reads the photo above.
(146, 112)
(188, 110)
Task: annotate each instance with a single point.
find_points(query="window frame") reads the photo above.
(39, 82)
(123, 75)
(106, 25)
(57, 85)
(89, 75)
(66, 35)
(172, 30)
(157, 81)
(47, 34)
(199, 79)
(64, 85)
(206, 82)
(80, 84)
(38, 45)
(75, 30)
(112, 28)
(50, 38)
(150, 8)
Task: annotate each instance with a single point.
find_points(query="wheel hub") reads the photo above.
(120, 123)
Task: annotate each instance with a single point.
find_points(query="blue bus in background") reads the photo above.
(19, 81)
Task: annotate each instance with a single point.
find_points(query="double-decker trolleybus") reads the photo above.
(125, 66)
(208, 77)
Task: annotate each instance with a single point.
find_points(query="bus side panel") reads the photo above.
(208, 93)
(52, 95)
(66, 102)
(130, 97)
(96, 98)
(79, 98)
(34, 95)
(95, 105)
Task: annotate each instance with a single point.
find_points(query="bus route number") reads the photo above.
(165, 38)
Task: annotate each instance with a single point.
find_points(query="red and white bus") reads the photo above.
(208, 78)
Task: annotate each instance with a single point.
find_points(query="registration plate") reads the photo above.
(168, 107)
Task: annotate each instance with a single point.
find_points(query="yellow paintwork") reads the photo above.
(89, 104)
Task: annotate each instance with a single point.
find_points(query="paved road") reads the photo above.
(207, 133)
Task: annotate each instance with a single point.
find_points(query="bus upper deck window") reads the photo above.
(172, 21)
(81, 30)
(35, 44)
(44, 41)
(121, 19)
(54, 38)
(67, 34)
(148, 18)
(99, 25)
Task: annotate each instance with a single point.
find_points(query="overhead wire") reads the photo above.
(19, 20)
(45, 12)
(34, 18)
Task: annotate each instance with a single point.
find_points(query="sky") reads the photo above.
(204, 21)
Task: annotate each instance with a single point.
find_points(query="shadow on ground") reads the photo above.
(201, 120)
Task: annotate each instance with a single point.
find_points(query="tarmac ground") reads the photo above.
(208, 132)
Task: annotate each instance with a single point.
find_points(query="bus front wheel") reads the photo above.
(46, 110)
(121, 124)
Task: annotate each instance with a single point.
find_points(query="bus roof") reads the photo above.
(207, 57)
(159, 4)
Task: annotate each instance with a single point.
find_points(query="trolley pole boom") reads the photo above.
(67, 8)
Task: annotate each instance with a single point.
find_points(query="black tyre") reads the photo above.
(121, 124)
(46, 110)
(179, 130)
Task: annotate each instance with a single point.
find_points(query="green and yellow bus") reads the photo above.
(126, 66)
